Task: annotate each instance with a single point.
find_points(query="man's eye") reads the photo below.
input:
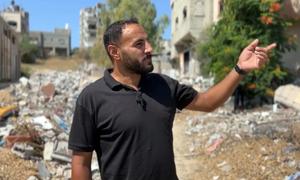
(140, 44)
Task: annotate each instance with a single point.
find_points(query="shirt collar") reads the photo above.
(110, 81)
(114, 84)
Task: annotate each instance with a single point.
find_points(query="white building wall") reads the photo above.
(88, 26)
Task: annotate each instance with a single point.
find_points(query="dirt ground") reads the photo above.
(54, 63)
(14, 168)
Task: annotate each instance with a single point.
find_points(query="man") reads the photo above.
(127, 115)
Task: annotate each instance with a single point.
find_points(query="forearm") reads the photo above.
(81, 166)
(81, 173)
(251, 58)
(218, 94)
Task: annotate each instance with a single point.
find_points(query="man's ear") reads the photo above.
(113, 51)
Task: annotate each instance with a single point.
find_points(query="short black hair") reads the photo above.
(113, 32)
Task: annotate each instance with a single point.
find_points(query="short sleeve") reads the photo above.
(83, 134)
(184, 95)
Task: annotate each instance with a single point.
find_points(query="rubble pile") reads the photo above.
(262, 144)
(252, 123)
(46, 102)
(200, 83)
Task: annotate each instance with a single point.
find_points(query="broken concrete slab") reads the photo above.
(25, 151)
(48, 151)
(288, 95)
(43, 122)
(61, 151)
(24, 81)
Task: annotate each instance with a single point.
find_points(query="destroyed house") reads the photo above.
(9, 53)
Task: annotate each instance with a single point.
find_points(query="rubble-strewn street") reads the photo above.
(251, 145)
(262, 143)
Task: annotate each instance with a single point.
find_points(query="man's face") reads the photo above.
(135, 50)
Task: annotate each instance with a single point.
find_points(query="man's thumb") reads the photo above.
(253, 45)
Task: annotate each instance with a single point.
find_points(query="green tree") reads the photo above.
(242, 22)
(115, 10)
(28, 50)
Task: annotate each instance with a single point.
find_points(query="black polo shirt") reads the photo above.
(130, 130)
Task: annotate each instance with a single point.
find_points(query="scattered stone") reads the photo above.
(33, 178)
(43, 121)
(48, 151)
(24, 81)
(283, 95)
(43, 171)
(295, 176)
(61, 151)
(48, 90)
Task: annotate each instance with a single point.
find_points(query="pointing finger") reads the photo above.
(270, 47)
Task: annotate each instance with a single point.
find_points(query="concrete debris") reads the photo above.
(26, 151)
(252, 123)
(48, 90)
(61, 151)
(295, 176)
(218, 134)
(48, 151)
(199, 83)
(5, 131)
(283, 96)
(24, 81)
(43, 121)
(33, 178)
(43, 171)
(46, 102)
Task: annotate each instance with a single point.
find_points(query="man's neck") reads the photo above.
(129, 79)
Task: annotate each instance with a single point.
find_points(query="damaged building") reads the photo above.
(16, 18)
(89, 23)
(9, 53)
(190, 19)
(57, 43)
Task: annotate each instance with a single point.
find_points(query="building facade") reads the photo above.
(190, 19)
(9, 53)
(89, 22)
(16, 18)
(57, 43)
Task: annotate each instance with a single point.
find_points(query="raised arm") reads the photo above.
(81, 165)
(251, 58)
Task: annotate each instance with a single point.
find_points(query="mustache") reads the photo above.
(155, 54)
(148, 56)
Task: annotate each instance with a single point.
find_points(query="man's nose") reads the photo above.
(148, 48)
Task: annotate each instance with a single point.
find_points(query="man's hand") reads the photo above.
(254, 57)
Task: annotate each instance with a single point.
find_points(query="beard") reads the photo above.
(138, 67)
